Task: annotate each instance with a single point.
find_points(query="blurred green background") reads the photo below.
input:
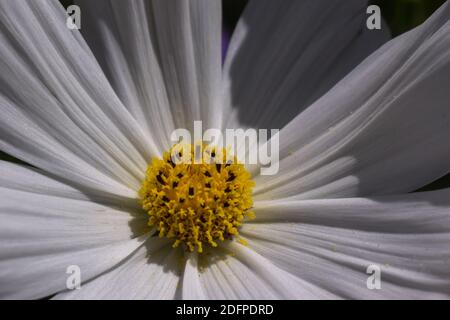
(400, 15)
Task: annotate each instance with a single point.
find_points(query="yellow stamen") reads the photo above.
(197, 204)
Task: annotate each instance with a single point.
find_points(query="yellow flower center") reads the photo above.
(199, 203)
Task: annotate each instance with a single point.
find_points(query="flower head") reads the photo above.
(363, 122)
(197, 204)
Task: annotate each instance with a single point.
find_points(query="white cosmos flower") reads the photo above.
(89, 112)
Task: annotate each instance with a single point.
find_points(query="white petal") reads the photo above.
(25, 178)
(119, 34)
(59, 112)
(381, 130)
(192, 288)
(285, 54)
(152, 272)
(189, 46)
(241, 273)
(331, 243)
(41, 234)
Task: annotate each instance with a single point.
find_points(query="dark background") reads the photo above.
(400, 15)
